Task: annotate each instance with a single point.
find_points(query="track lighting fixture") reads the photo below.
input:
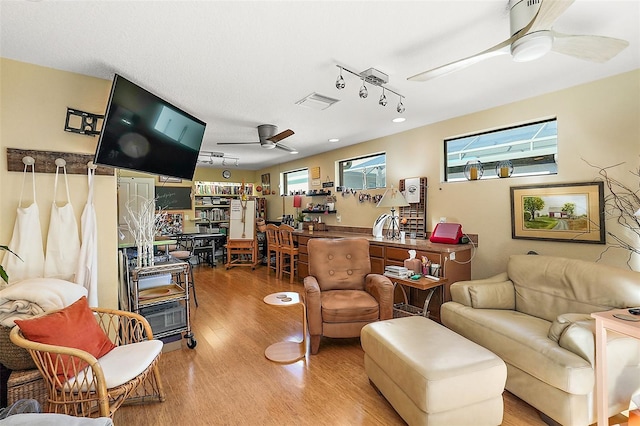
(209, 157)
(375, 78)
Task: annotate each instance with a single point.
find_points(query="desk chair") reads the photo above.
(273, 246)
(288, 252)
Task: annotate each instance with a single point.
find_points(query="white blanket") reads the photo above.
(34, 296)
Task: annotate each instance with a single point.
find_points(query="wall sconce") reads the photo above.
(473, 170)
(504, 169)
(375, 78)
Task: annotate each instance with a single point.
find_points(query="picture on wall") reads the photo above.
(265, 181)
(170, 224)
(572, 212)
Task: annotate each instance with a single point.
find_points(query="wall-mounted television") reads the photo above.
(145, 133)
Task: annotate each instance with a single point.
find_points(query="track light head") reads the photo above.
(383, 99)
(363, 91)
(340, 81)
(400, 107)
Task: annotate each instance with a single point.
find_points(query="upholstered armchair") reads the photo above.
(341, 293)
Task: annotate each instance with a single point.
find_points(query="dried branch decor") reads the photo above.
(143, 224)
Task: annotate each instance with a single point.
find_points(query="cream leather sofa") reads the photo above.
(536, 318)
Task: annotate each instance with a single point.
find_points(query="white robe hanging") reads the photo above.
(63, 241)
(87, 273)
(26, 240)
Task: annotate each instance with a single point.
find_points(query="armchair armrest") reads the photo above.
(496, 292)
(381, 288)
(313, 303)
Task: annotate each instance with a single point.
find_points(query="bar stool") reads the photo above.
(185, 256)
(273, 246)
(287, 249)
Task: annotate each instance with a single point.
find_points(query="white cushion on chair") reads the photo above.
(123, 363)
(181, 254)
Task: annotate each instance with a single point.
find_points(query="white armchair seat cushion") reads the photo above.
(122, 363)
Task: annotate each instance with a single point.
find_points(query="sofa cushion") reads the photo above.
(548, 286)
(348, 306)
(500, 295)
(521, 340)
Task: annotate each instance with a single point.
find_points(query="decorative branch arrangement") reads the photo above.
(143, 225)
(622, 203)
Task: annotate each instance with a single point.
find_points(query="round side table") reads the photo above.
(287, 352)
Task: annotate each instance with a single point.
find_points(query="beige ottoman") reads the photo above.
(431, 375)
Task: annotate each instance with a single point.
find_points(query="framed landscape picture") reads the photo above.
(571, 212)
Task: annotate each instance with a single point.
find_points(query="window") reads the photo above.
(296, 181)
(531, 148)
(364, 172)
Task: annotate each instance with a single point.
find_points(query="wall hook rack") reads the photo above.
(88, 122)
(47, 161)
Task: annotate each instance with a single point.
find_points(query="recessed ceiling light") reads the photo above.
(334, 140)
(398, 119)
(293, 152)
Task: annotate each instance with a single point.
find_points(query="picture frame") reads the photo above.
(265, 181)
(565, 212)
(169, 179)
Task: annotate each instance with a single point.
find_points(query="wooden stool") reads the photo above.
(288, 251)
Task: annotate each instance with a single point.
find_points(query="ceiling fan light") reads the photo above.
(532, 46)
(268, 145)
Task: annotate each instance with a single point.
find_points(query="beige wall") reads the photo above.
(597, 122)
(33, 107)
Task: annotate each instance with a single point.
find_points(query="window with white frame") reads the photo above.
(296, 181)
(531, 148)
(367, 172)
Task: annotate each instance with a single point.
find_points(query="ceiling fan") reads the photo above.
(269, 138)
(532, 36)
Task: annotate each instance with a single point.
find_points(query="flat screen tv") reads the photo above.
(145, 133)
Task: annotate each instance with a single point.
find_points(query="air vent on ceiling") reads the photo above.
(316, 101)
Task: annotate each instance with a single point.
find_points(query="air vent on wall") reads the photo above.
(316, 101)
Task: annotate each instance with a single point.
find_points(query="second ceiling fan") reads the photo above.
(532, 36)
(269, 138)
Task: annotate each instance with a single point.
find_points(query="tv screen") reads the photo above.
(145, 133)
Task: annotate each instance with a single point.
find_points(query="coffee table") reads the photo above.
(289, 351)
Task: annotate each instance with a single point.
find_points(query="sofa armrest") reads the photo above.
(313, 302)
(381, 288)
(496, 292)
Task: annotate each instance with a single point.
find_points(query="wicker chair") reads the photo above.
(95, 391)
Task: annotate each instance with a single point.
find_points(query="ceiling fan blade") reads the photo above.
(281, 135)
(237, 143)
(588, 47)
(500, 49)
(549, 11)
(285, 147)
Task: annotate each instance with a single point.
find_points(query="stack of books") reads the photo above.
(396, 271)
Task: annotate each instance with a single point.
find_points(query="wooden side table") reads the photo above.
(423, 284)
(290, 351)
(606, 321)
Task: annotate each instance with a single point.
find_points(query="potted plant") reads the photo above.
(3, 273)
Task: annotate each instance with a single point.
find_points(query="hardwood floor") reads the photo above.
(226, 379)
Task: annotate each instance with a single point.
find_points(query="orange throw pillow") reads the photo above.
(75, 327)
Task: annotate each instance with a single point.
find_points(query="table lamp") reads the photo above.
(393, 198)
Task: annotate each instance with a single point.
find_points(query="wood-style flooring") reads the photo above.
(226, 379)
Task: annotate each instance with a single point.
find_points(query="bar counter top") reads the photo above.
(414, 244)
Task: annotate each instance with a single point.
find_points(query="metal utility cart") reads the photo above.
(161, 294)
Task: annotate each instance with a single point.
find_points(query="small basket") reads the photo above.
(11, 356)
(401, 310)
(27, 384)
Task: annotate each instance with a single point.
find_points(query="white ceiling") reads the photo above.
(238, 64)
